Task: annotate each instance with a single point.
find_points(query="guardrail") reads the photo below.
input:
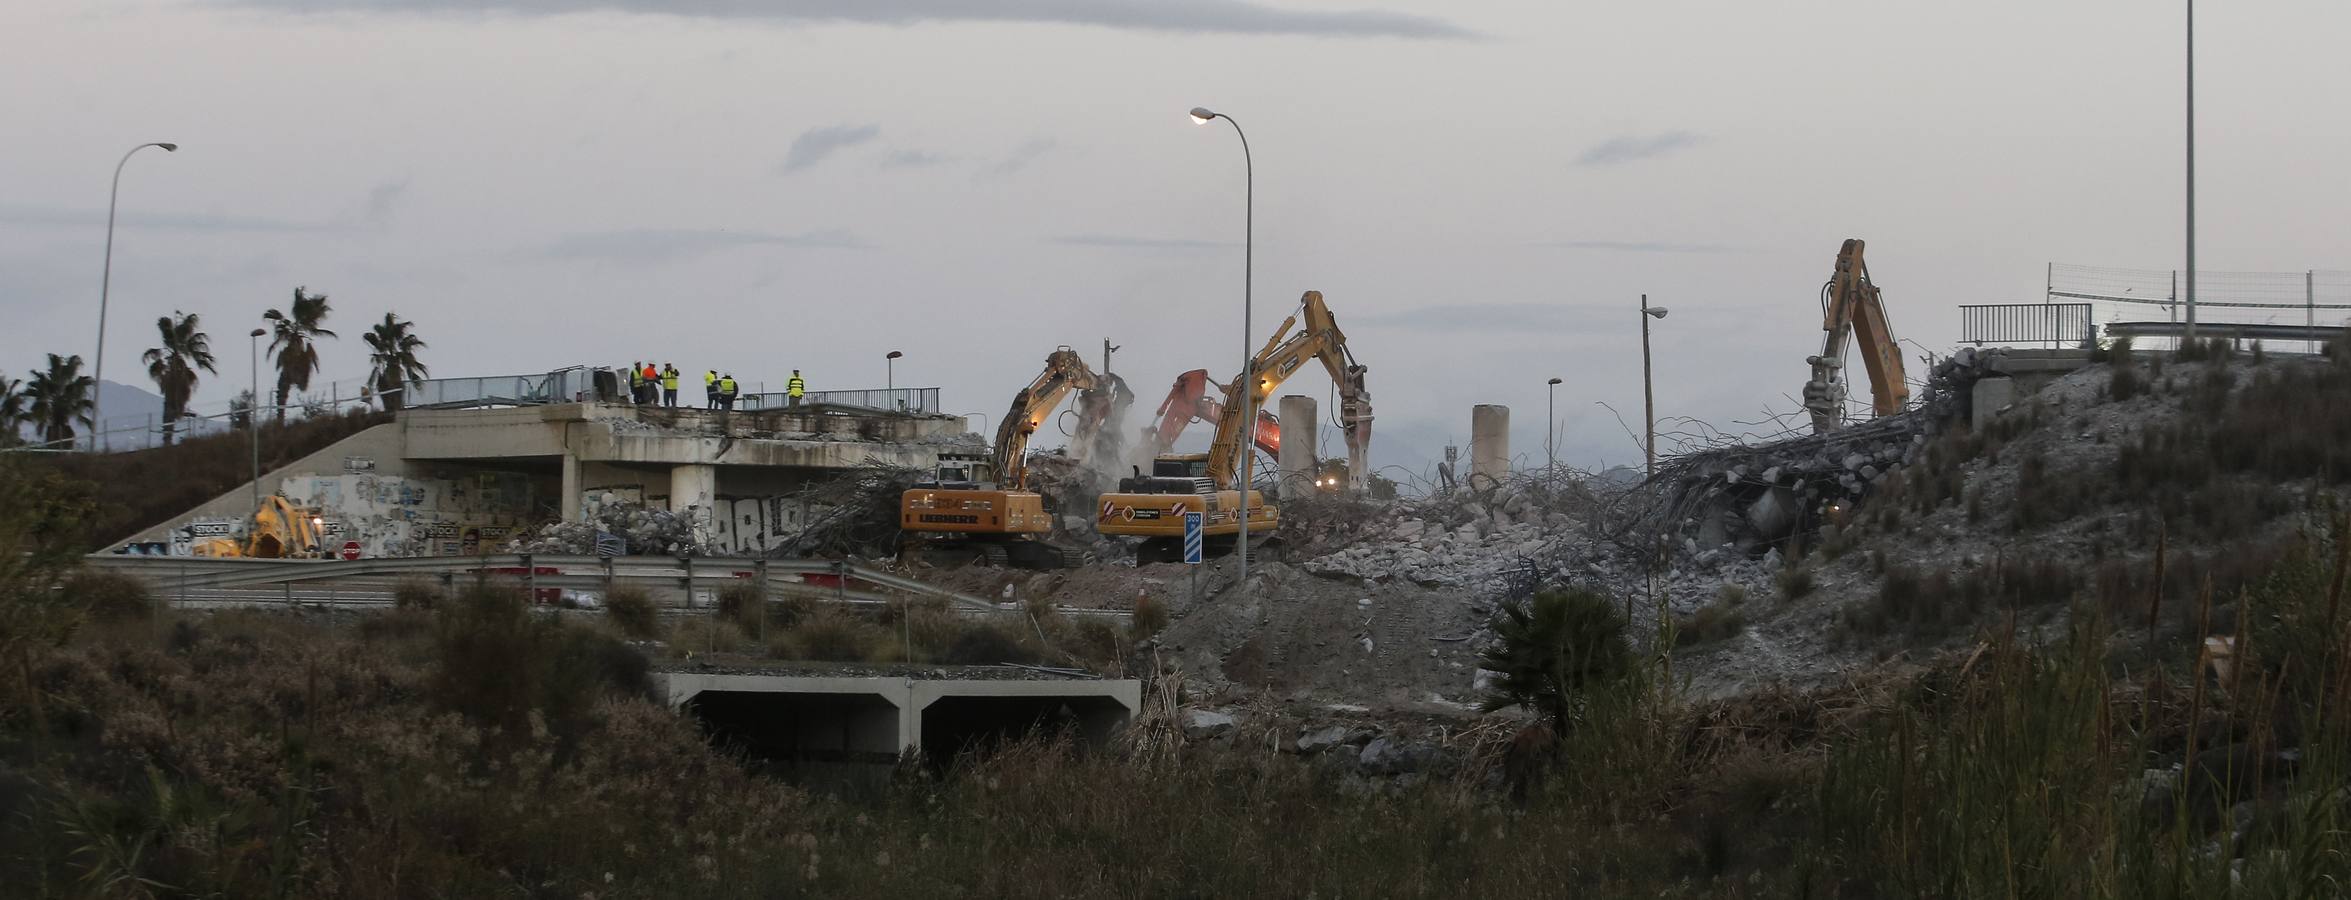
(575, 572)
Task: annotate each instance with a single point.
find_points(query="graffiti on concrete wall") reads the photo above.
(388, 515)
(758, 524)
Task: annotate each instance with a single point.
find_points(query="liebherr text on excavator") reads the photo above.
(1152, 506)
(986, 506)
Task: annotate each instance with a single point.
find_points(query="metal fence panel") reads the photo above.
(2024, 323)
(907, 400)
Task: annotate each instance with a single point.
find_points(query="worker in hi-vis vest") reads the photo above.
(726, 391)
(636, 382)
(710, 389)
(669, 384)
(795, 388)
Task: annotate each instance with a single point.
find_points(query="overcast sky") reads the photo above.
(1481, 189)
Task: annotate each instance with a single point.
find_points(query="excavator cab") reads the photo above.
(962, 474)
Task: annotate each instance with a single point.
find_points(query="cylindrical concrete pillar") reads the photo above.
(1297, 459)
(1489, 445)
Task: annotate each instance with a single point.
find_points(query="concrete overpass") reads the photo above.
(458, 482)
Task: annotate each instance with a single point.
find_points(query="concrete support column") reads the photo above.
(693, 492)
(571, 487)
(1489, 445)
(1296, 463)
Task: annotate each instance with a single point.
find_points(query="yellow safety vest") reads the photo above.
(636, 377)
(709, 379)
(796, 387)
(726, 385)
(669, 380)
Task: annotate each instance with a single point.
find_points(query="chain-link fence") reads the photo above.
(2314, 298)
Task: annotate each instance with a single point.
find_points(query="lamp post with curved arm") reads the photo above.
(105, 285)
(1201, 115)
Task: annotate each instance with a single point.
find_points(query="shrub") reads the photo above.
(1149, 617)
(1712, 622)
(987, 643)
(1552, 648)
(630, 608)
(740, 602)
(832, 636)
(512, 670)
(1736, 594)
(2127, 382)
(110, 596)
(1795, 581)
(415, 592)
(703, 634)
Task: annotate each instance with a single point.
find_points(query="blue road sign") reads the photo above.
(1192, 538)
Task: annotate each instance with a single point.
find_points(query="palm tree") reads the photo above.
(12, 412)
(391, 356)
(293, 340)
(1552, 649)
(60, 396)
(174, 365)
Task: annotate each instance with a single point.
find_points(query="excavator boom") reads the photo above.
(1853, 310)
(1064, 371)
(1188, 400)
(1284, 354)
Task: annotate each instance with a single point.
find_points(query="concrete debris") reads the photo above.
(631, 529)
(1325, 738)
(1202, 724)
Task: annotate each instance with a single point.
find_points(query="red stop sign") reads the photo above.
(350, 550)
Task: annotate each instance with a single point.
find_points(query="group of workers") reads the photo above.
(658, 386)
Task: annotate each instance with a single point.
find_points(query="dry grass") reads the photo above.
(630, 608)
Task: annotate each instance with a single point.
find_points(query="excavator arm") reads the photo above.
(1285, 353)
(1064, 371)
(1853, 311)
(1190, 399)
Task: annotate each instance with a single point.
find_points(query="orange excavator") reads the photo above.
(280, 530)
(1851, 309)
(986, 506)
(1190, 400)
(1152, 506)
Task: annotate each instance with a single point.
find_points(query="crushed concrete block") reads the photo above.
(1202, 724)
(1323, 739)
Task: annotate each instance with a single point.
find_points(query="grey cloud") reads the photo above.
(815, 144)
(1191, 16)
(383, 199)
(1120, 242)
(1018, 159)
(909, 159)
(1635, 147)
(665, 245)
(1635, 246)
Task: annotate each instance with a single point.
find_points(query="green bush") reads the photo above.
(1552, 648)
(1795, 581)
(740, 602)
(416, 592)
(110, 596)
(630, 608)
(833, 636)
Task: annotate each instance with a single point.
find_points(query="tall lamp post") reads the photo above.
(253, 416)
(890, 378)
(105, 286)
(1550, 430)
(1201, 115)
(1648, 396)
(2191, 170)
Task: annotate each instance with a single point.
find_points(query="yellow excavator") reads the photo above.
(1852, 310)
(280, 530)
(1152, 506)
(985, 505)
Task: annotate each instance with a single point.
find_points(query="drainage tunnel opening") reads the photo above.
(954, 727)
(786, 732)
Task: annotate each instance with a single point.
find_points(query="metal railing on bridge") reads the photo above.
(560, 386)
(924, 401)
(2025, 323)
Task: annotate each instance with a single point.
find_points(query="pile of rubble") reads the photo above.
(858, 514)
(1446, 542)
(614, 529)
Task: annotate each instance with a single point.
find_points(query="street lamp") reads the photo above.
(891, 372)
(105, 285)
(1550, 430)
(2191, 336)
(253, 416)
(1649, 397)
(1201, 115)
